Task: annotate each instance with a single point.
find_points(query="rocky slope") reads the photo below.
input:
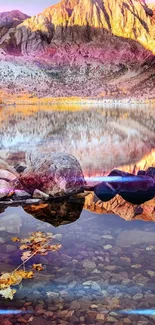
(83, 21)
(10, 19)
(82, 48)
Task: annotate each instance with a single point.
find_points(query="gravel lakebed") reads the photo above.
(105, 266)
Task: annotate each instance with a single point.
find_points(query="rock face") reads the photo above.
(56, 175)
(81, 45)
(85, 21)
(10, 19)
(135, 189)
(5, 188)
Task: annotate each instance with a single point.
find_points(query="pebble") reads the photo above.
(75, 305)
(151, 273)
(136, 266)
(125, 259)
(96, 271)
(107, 237)
(107, 247)
(100, 318)
(111, 319)
(149, 248)
(53, 295)
(94, 306)
(22, 320)
(137, 296)
(89, 264)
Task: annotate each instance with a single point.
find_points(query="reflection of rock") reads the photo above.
(122, 208)
(10, 223)
(56, 175)
(57, 213)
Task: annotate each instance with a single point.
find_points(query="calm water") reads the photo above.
(106, 264)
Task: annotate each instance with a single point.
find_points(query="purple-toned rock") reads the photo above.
(134, 189)
(151, 172)
(5, 188)
(7, 175)
(138, 190)
(56, 175)
(104, 191)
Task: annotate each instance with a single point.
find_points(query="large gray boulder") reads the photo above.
(54, 174)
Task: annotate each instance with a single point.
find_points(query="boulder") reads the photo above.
(5, 188)
(40, 195)
(21, 195)
(7, 175)
(104, 191)
(138, 190)
(151, 172)
(56, 175)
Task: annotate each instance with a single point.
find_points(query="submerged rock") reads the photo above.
(56, 175)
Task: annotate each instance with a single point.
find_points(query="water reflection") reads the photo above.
(114, 135)
(106, 264)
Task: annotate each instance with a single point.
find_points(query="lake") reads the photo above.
(104, 271)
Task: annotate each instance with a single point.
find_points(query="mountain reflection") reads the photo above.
(100, 138)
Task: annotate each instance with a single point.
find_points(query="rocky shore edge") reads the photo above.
(59, 176)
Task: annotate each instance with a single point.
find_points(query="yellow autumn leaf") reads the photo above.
(8, 279)
(38, 267)
(25, 240)
(8, 293)
(26, 255)
(39, 239)
(24, 246)
(15, 239)
(55, 247)
(25, 274)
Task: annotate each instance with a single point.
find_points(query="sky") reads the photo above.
(30, 7)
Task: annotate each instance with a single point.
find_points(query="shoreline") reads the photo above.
(73, 101)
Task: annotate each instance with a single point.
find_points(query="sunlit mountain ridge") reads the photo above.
(86, 21)
(82, 48)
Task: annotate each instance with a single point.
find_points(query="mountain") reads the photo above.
(83, 21)
(10, 19)
(82, 48)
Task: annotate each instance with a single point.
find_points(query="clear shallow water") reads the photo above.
(105, 264)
